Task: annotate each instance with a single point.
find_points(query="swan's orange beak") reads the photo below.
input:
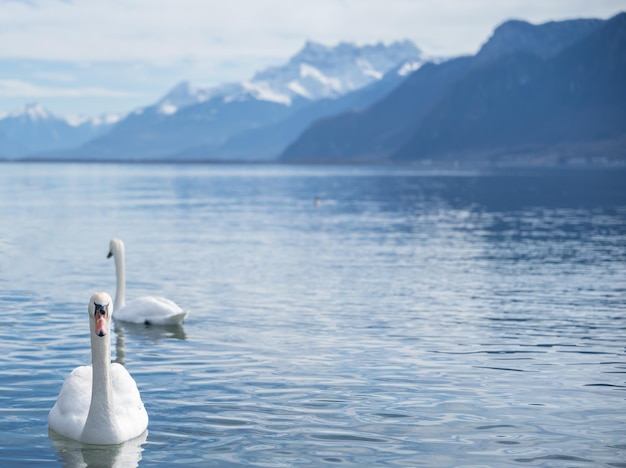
(101, 327)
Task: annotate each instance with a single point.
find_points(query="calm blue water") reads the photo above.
(413, 318)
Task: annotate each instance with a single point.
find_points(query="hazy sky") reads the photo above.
(94, 56)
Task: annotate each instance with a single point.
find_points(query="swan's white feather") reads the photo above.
(151, 310)
(69, 413)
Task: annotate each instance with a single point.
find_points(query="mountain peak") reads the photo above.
(33, 112)
(542, 40)
(312, 47)
(181, 95)
(318, 71)
(315, 52)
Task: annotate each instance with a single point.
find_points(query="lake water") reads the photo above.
(411, 318)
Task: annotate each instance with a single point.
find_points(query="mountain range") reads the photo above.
(540, 93)
(222, 122)
(533, 93)
(33, 129)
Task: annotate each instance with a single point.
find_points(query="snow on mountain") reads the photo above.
(409, 67)
(93, 121)
(368, 70)
(182, 95)
(31, 112)
(260, 91)
(32, 128)
(106, 119)
(319, 71)
(315, 72)
(34, 113)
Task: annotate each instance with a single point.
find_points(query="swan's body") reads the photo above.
(99, 404)
(151, 310)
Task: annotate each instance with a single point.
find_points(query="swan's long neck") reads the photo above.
(120, 274)
(100, 427)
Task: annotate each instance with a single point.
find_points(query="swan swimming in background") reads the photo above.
(150, 310)
(99, 404)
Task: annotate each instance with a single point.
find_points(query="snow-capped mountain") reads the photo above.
(32, 128)
(318, 71)
(188, 117)
(183, 95)
(315, 72)
(32, 112)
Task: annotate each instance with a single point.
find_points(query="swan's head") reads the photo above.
(116, 247)
(100, 313)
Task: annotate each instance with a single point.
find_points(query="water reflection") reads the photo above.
(152, 332)
(75, 454)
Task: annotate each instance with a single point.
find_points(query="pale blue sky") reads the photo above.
(94, 56)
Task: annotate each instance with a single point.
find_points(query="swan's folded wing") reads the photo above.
(69, 413)
(129, 408)
(152, 310)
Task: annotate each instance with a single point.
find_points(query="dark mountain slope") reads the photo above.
(375, 132)
(523, 103)
(380, 130)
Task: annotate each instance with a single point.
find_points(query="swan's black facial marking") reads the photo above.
(101, 312)
(102, 309)
(110, 254)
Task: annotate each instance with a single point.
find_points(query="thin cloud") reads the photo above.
(162, 32)
(24, 89)
(55, 76)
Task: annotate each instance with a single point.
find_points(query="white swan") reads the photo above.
(150, 310)
(99, 404)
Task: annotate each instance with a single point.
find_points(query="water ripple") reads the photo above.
(409, 320)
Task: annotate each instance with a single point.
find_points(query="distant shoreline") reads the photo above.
(539, 163)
